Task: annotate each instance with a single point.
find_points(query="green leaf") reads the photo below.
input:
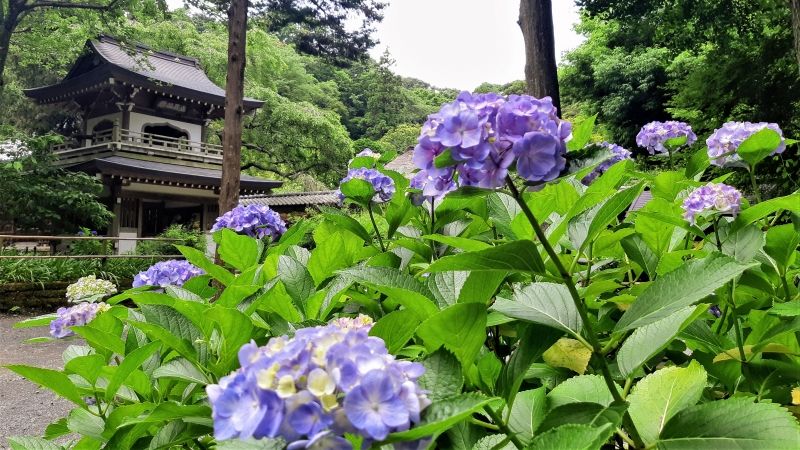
(38, 321)
(742, 244)
(88, 367)
(581, 389)
(682, 287)
(640, 253)
(54, 380)
(238, 250)
(533, 341)
(781, 244)
(441, 415)
(84, 423)
(398, 285)
(200, 260)
(662, 394)
(348, 223)
(470, 245)
(100, 339)
(590, 414)
(516, 256)
(396, 328)
(697, 163)
(297, 281)
(548, 304)
(181, 369)
(734, 423)
(527, 413)
(32, 443)
(236, 329)
(646, 341)
(788, 309)
(443, 376)
(581, 133)
(132, 361)
(758, 146)
(765, 208)
(573, 437)
(445, 159)
(358, 190)
(159, 333)
(460, 328)
(611, 209)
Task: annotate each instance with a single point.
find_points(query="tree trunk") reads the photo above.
(795, 5)
(234, 107)
(541, 75)
(7, 28)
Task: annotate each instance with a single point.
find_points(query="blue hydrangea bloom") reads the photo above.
(486, 134)
(654, 135)
(382, 184)
(724, 142)
(316, 386)
(77, 315)
(256, 221)
(167, 273)
(713, 197)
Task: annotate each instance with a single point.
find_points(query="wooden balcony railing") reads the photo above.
(144, 143)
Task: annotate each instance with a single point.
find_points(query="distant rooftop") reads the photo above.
(292, 199)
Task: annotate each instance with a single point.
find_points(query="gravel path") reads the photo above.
(25, 408)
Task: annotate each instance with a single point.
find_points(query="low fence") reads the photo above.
(53, 255)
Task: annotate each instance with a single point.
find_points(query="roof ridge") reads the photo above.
(290, 194)
(142, 48)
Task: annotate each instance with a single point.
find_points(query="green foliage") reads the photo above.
(178, 234)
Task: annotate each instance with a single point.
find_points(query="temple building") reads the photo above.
(143, 130)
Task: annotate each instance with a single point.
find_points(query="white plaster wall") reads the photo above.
(126, 246)
(90, 123)
(139, 120)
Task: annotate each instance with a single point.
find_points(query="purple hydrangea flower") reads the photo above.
(654, 135)
(382, 184)
(77, 315)
(313, 388)
(486, 134)
(617, 154)
(715, 197)
(367, 152)
(724, 142)
(433, 186)
(256, 221)
(167, 273)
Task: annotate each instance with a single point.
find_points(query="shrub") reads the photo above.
(183, 235)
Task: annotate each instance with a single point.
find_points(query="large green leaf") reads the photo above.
(742, 244)
(470, 245)
(516, 256)
(590, 414)
(640, 253)
(238, 250)
(460, 328)
(611, 209)
(782, 242)
(101, 340)
(682, 287)
(758, 146)
(734, 423)
(54, 380)
(398, 285)
(765, 208)
(662, 394)
(181, 369)
(573, 437)
(159, 333)
(527, 413)
(650, 339)
(396, 328)
(443, 376)
(580, 389)
(80, 421)
(581, 133)
(235, 329)
(346, 222)
(32, 443)
(297, 281)
(697, 163)
(441, 415)
(358, 190)
(533, 341)
(132, 361)
(548, 304)
(200, 260)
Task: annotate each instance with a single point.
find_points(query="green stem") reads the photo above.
(669, 155)
(722, 318)
(736, 325)
(503, 427)
(588, 277)
(433, 230)
(483, 424)
(785, 286)
(752, 172)
(375, 226)
(716, 233)
(577, 300)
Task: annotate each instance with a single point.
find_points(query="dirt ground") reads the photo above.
(25, 408)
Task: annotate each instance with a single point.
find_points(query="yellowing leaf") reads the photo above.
(568, 353)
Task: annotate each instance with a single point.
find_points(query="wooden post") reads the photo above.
(234, 106)
(541, 73)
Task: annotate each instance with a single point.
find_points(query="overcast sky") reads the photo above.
(462, 43)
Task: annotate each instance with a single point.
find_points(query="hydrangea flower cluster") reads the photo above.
(617, 154)
(314, 387)
(654, 135)
(433, 188)
(77, 315)
(382, 184)
(486, 134)
(724, 142)
(89, 288)
(716, 197)
(256, 221)
(367, 152)
(174, 272)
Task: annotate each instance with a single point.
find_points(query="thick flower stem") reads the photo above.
(567, 279)
(375, 226)
(756, 192)
(503, 427)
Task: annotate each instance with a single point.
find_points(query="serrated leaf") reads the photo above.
(548, 304)
(443, 375)
(32, 443)
(611, 209)
(650, 339)
(734, 423)
(640, 253)
(661, 395)
(470, 245)
(680, 288)
(568, 353)
(573, 437)
(581, 133)
(743, 243)
(297, 281)
(84, 423)
(527, 413)
(758, 146)
(348, 223)
(54, 380)
(591, 414)
(765, 208)
(238, 250)
(132, 361)
(516, 256)
(200, 260)
(460, 328)
(181, 369)
(396, 328)
(398, 285)
(580, 389)
(441, 415)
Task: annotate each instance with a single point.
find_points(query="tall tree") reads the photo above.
(795, 5)
(541, 73)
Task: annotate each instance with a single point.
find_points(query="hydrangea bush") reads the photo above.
(514, 308)
(89, 289)
(174, 272)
